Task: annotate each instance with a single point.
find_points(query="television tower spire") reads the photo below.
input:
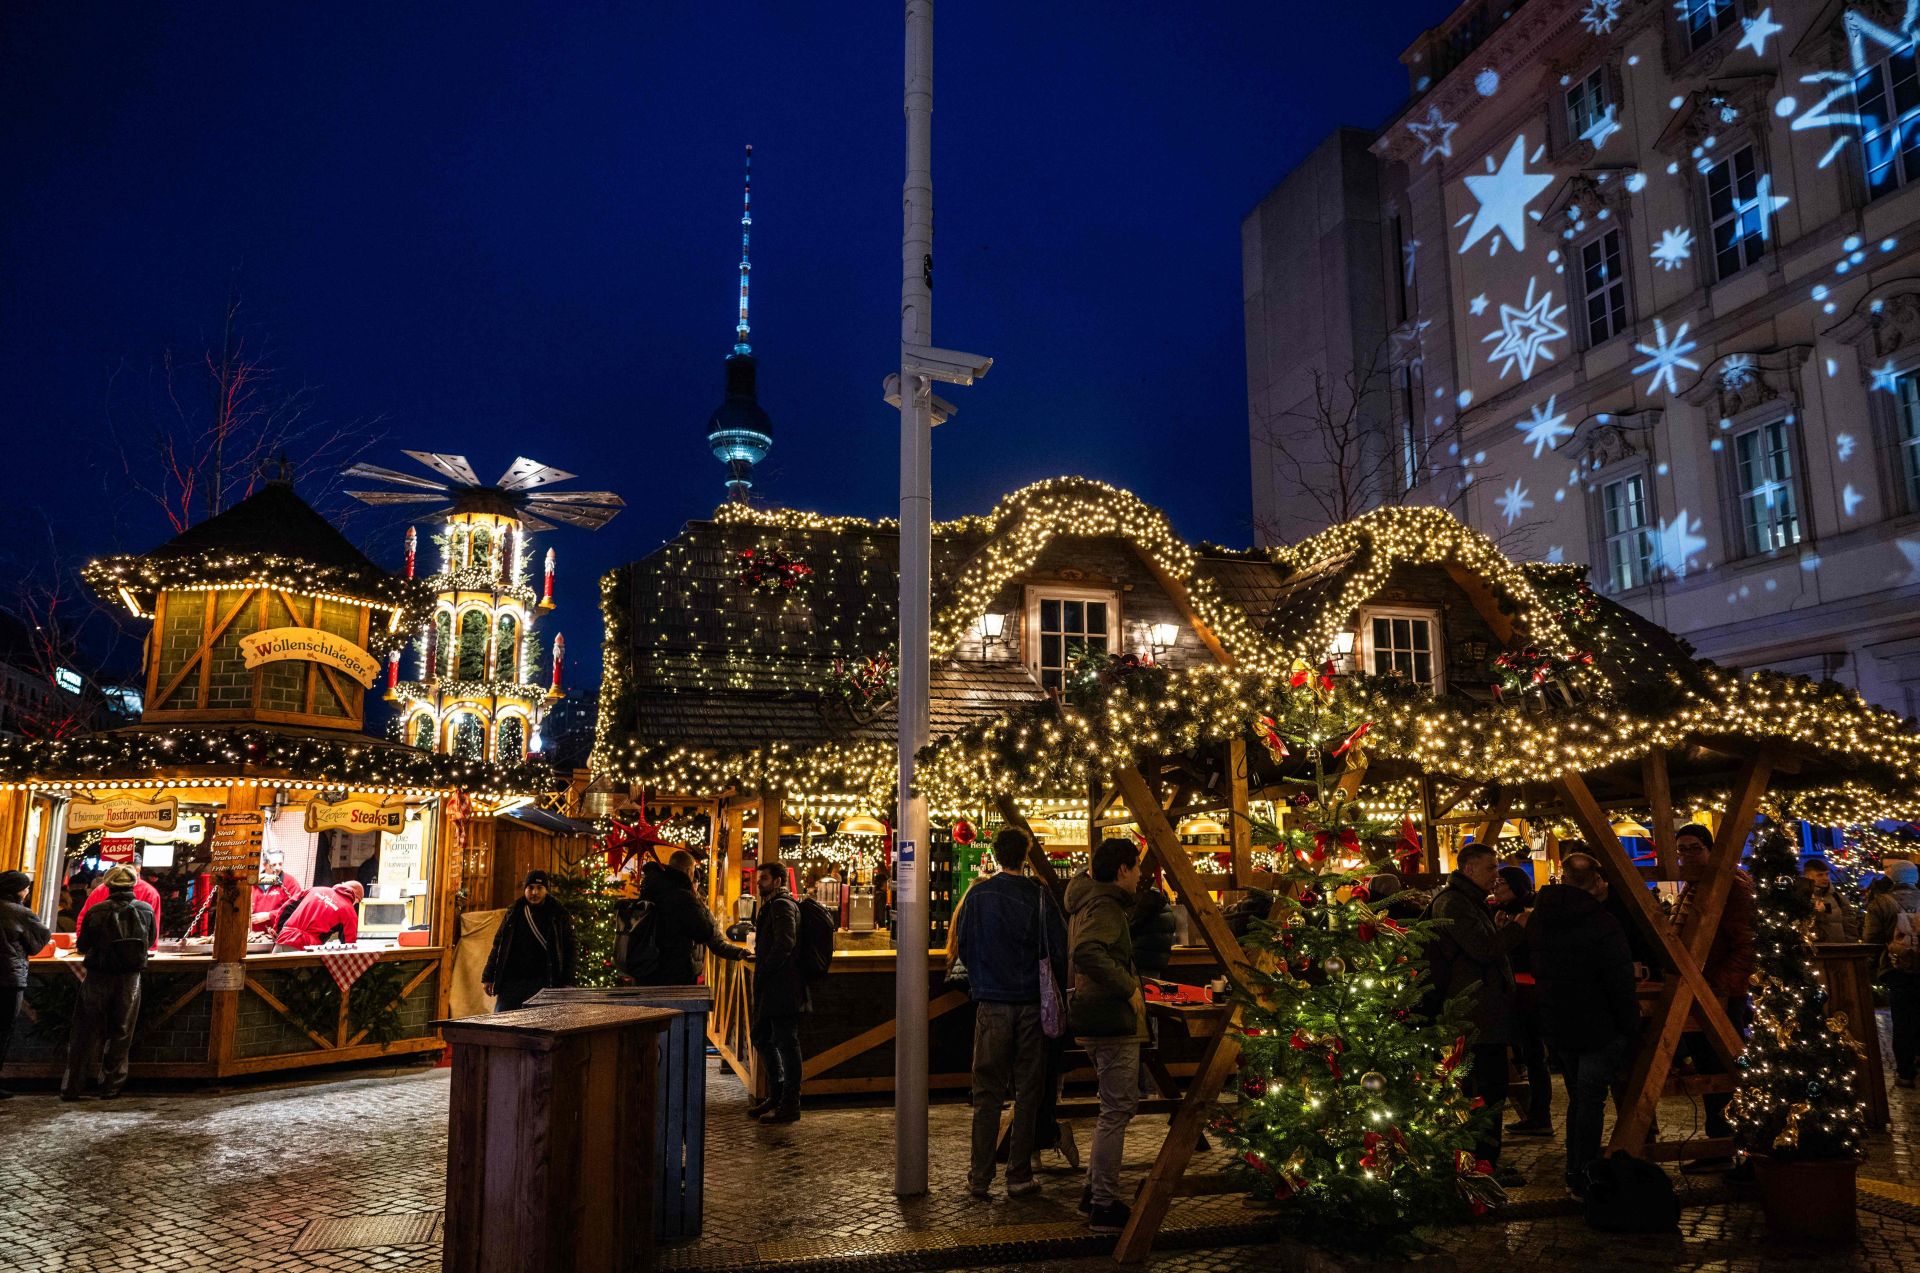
(738, 432)
(741, 345)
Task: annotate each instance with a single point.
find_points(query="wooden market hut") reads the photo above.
(267, 627)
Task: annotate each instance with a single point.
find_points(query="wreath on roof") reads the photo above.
(770, 570)
(866, 685)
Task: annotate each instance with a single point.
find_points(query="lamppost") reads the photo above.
(912, 390)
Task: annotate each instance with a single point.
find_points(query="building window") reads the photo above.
(1735, 212)
(1887, 99)
(1908, 439)
(1068, 625)
(1587, 104)
(1763, 469)
(1605, 283)
(1401, 643)
(1629, 543)
(1704, 19)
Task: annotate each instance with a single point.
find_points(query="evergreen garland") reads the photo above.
(1800, 1091)
(311, 998)
(374, 1002)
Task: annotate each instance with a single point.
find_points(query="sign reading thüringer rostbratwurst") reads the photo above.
(236, 843)
(122, 813)
(309, 645)
(357, 813)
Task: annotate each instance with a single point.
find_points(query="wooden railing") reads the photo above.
(729, 1025)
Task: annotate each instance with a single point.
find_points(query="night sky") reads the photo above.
(501, 229)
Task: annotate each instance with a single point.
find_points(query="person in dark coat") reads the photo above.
(1513, 893)
(1834, 918)
(22, 936)
(1472, 953)
(779, 994)
(115, 940)
(1153, 927)
(1584, 969)
(533, 949)
(679, 925)
(1729, 964)
(1901, 896)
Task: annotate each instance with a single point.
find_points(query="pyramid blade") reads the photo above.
(379, 474)
(399, 497)
(531, 524)
(453, 466)
(524, 474)
(581, 497)
(584, 516)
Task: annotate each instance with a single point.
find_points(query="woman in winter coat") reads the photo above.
(22, 936)
(533, 949)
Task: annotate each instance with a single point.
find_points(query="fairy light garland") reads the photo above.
(115, 579)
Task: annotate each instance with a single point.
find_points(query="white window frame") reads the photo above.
(1614, 287)
(1720, 19)
(1436, 641)
(1642, 554)
(1774, 531)
(1595, 87)
(1906, 438)
(1892, 131)
(1752, 243)
(1037, 593)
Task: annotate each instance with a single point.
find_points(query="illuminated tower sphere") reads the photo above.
(739, 431)
(479, 693)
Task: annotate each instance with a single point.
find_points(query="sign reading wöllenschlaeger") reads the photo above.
(357, 813)
(123, 813)
(309, 645)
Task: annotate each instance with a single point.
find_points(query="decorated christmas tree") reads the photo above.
(1350, 1112)
(589, 892)
(1800, 1091)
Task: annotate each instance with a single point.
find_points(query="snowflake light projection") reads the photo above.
(1526, 333)
(1850, 499)
(1434, 134)
(1736, 370)
(1665, 356)
(1504, 193)
(1838, 108)
(1478, 305)
(1606, 126)
(1884, 378)
(1514, 502)
(1673, 249)
(1555, 555)
(1844, 444)
(1763, 205)
(1600, 16)
(1756, 31)
(1677, 543)
(1544, 427)
(1409, 253)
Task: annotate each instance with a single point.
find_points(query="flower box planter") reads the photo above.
(1808, 1201)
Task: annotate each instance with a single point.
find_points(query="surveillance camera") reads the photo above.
(941, 409)
(946, 364)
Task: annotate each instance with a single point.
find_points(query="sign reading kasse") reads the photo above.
(309, 645)
(113, 814)
(357, 813)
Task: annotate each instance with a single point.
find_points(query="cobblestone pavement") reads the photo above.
(248, 1180)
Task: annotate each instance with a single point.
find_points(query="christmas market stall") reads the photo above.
(249, 783)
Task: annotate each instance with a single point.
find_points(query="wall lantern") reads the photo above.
(1163, 636)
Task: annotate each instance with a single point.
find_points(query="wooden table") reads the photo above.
(550, 1127)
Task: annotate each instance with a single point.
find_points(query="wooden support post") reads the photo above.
(1429, 844)
(1654, 779)
(1157, 1191)
(769, 827)
(1239, 829)
(1165, 848)
(232, 916)
(1036, 855)
(1489, 831)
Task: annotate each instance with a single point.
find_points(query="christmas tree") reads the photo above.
(588, 892)
(1799, 1094)
(1350, 1112)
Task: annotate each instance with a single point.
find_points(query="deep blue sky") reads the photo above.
(510, 229)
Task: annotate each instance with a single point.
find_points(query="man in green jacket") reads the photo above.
(1107, 1014)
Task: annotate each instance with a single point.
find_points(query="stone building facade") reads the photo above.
(1661, 273)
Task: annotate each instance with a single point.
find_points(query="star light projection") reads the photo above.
(1514, 502)
(1526, 333)
(1544, 427)
(1756, 31)
(1677, 543)
(1435, 135)
(1600, 16)
(1664, 356)
(1673, 249)
(1504, 193)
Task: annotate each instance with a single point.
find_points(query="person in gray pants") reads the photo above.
(114, 939)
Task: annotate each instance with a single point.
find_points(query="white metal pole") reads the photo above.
(916, 543)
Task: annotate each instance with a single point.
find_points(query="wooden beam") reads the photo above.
(1484, 602)
(1166, 849)
(1177, 592)
(1655, 780)
(1036, 855)
(1703, 919)
(867, 1040)
(1157, 1191)
(1488, 832)
(212, 633)
(1239, 829)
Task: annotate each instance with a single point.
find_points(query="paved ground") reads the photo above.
(347, 1174)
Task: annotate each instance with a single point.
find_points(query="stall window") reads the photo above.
(1402, 643)
(1066, 625)
(442, 645)
(1763, 470)
(1629, 541)
(480, 554)
(1735, 212)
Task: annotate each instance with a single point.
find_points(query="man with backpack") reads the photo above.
(1893, 924)
(114, 938)
(673, 927)
(1005, 932)
(793, 946)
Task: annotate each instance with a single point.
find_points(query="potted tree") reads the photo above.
(1798, 1110)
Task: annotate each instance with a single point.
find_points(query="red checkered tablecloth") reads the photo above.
(346, 964)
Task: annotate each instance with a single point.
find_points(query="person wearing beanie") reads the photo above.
(1513, 894)
(533, 949)
(114, 940)
(1893, 927)
(22, 936)
(1729, 963)
(142, 891)
(323, 913)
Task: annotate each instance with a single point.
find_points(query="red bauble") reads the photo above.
(1256, 1088)
(963, 832)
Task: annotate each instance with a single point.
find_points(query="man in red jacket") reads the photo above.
(142, 892)
(322, 912)
(272, 891)
(1730, 961)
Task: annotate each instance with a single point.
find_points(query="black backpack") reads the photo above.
(815, 951)
(642, 956)
(120, 941)
(1630, 1195)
